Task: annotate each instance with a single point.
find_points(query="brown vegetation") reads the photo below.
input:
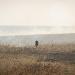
(21, 61)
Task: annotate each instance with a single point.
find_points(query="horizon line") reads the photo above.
(37, 34)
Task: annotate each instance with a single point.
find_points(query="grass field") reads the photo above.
(44, 60)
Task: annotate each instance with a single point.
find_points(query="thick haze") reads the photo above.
(31, 30)
(22, 17)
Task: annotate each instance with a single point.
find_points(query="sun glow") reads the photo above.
(59, 15)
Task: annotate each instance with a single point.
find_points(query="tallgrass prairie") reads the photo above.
(43, 60)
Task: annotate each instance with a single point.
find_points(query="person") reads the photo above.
(36, 43)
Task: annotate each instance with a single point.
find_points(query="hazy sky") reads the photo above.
(54, 16)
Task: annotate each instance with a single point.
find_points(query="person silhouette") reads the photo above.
(36, 43)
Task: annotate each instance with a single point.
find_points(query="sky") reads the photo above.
(23, 17)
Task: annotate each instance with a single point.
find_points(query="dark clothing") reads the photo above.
(36, 43)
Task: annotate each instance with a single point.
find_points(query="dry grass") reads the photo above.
(21, 61)
(57, 47)
(22, 67)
